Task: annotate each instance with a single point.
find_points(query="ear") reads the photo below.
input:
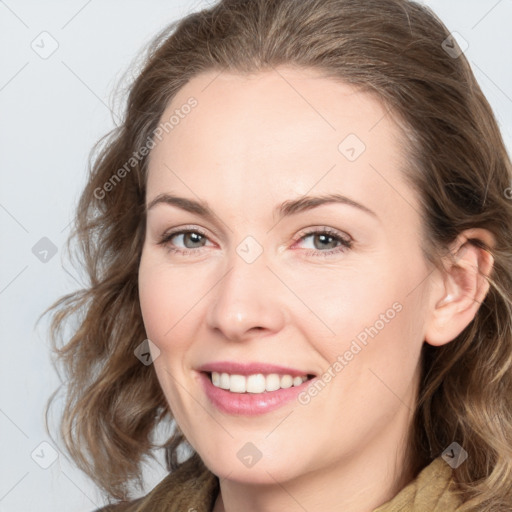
(461, 287)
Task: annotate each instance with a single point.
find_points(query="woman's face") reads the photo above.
(301, 257)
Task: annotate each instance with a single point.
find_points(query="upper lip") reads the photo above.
(236, 368)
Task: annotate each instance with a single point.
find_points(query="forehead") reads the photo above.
(275, 108)
(280, 132)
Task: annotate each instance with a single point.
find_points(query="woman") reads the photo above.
(299, 251)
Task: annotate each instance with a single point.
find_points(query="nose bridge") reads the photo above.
(247, 297)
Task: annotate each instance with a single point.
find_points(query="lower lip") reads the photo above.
(249, 404)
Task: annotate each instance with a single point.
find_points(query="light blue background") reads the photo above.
(51, 113)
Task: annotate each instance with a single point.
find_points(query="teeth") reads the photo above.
(237, 384)
(256, 383)
(297, 381)
(286, 381)
(273, 382)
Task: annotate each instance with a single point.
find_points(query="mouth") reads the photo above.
(256, 383)
(253, 387)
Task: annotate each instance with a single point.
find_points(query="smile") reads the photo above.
(247, 395)
(255, 383)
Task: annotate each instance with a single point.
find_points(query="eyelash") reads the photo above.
(345, 242)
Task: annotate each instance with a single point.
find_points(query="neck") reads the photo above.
(360, 482)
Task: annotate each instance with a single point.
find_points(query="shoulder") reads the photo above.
(433, 489)
(191, 485)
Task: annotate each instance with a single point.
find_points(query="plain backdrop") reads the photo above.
(60, 62)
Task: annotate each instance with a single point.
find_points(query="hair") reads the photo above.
(456, 162)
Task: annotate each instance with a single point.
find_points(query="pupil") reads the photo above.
(195, 237)
(325, 238)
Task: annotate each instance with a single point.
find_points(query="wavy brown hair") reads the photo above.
(457, 163)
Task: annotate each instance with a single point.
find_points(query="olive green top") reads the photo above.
(193, 487)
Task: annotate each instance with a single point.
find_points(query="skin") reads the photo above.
(252, 143)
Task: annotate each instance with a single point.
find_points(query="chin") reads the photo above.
(238, 466)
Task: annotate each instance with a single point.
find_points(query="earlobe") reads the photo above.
(461, 288)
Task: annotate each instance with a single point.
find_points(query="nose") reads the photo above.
(248, 300)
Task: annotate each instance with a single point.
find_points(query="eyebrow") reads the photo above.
(287, 208)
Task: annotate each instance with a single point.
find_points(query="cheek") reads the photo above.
(153, 301)
(167, 294)
(382, 356)
(172, 300)
(371, 319)
(161, 309)
(343, 301)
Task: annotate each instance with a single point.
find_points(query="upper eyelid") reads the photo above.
(324, 229)
(303, 232)
(187, 229)
(306, 232)
(182, 231)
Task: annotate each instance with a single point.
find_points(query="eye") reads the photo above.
(192, 239)
(326, 242)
